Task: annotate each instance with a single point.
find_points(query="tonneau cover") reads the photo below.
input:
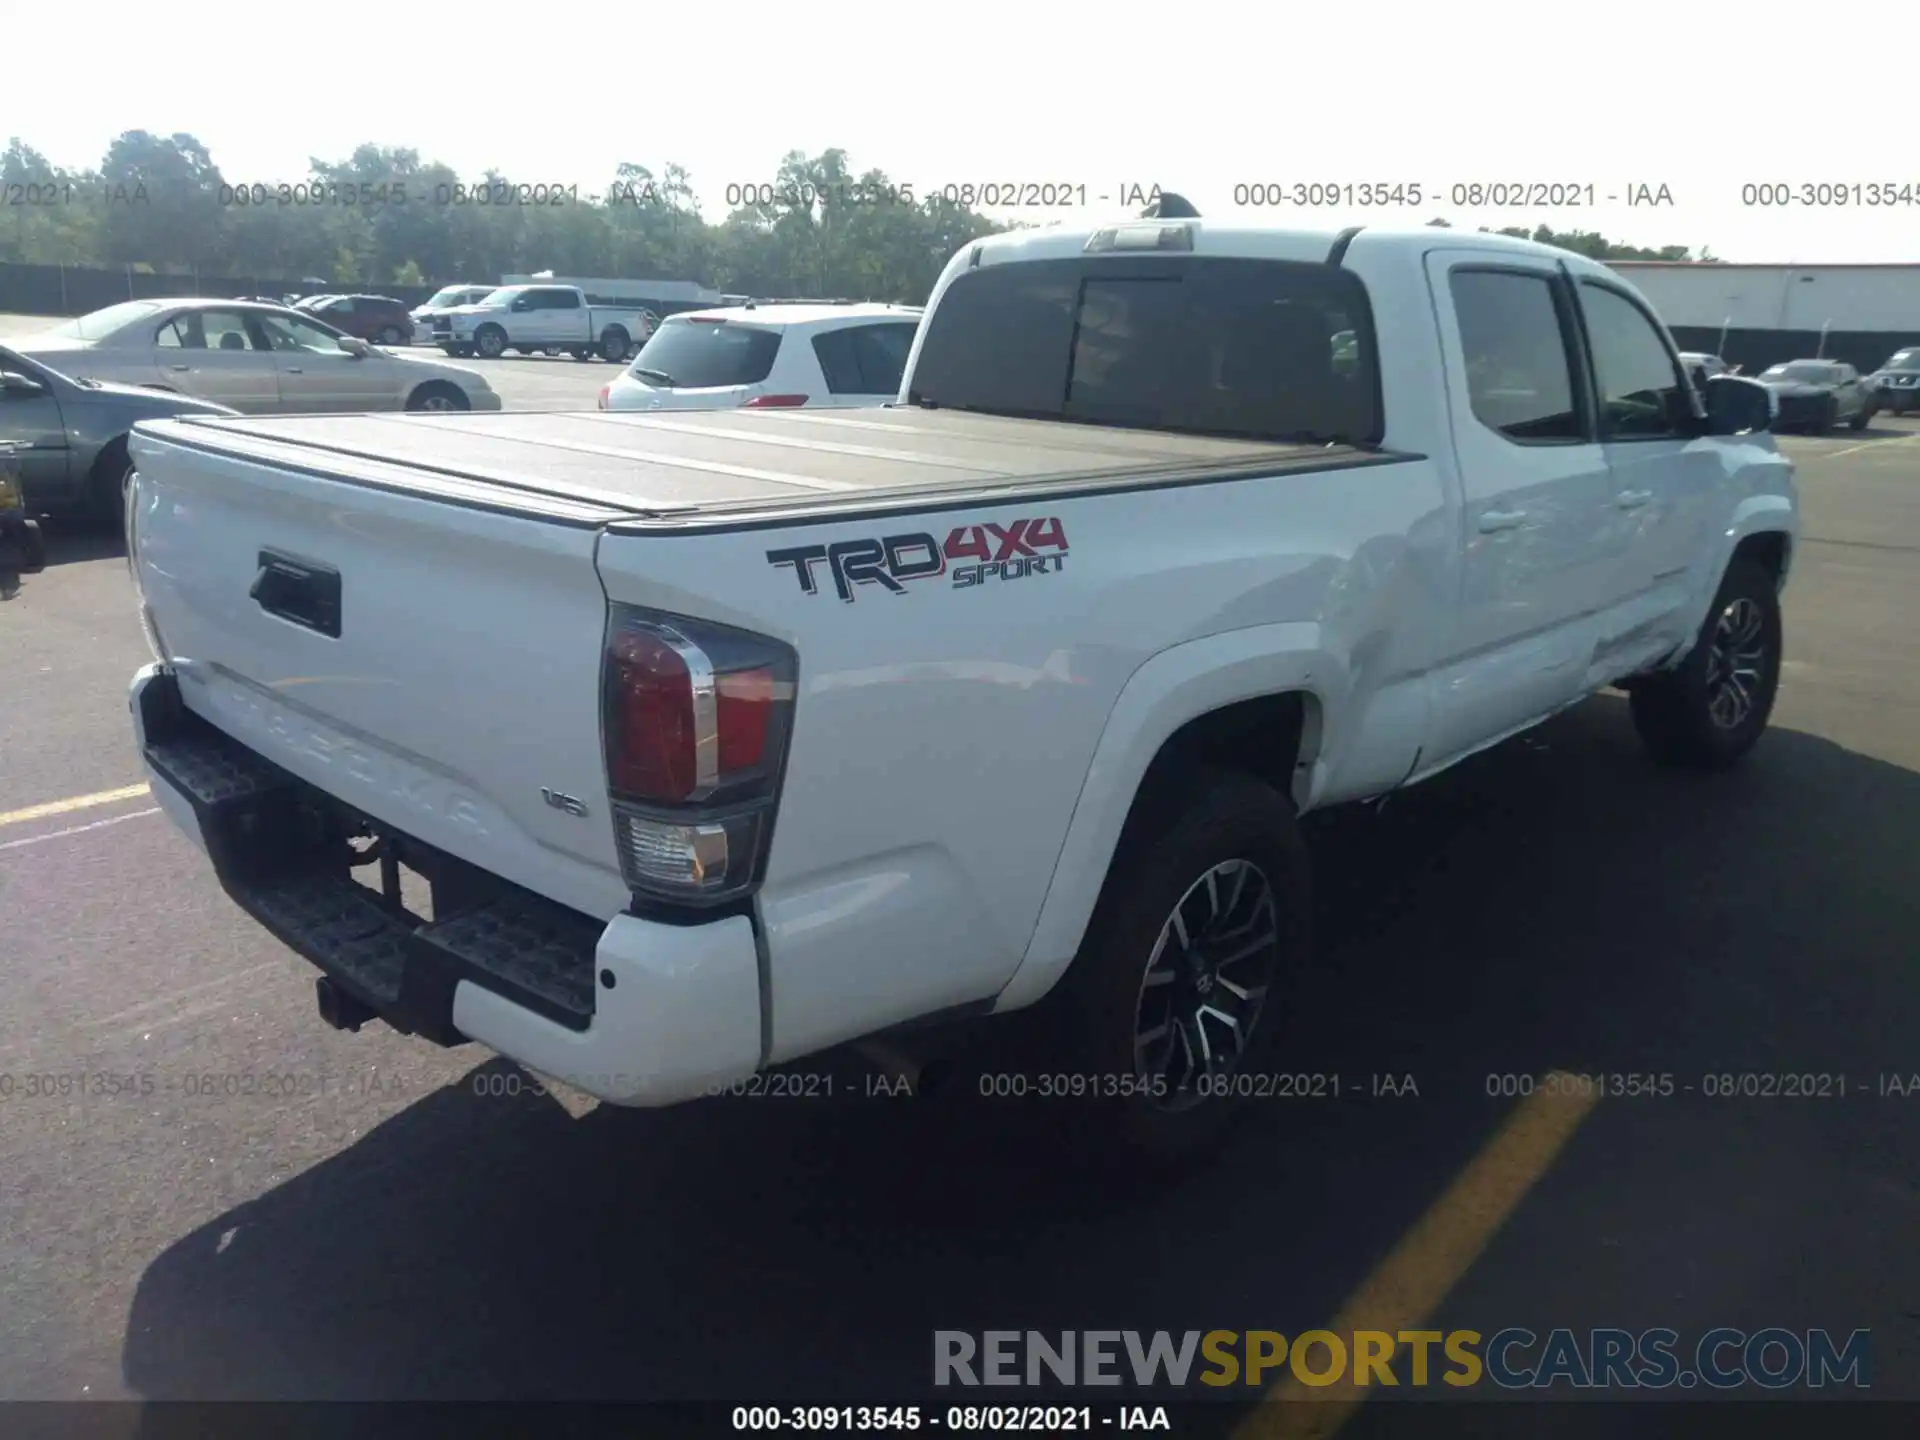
(687, 464)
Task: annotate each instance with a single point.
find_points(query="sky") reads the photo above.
(1213, 100)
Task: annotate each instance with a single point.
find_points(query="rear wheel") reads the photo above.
(1710, 711)
(1860, 421)
(390, 336)
(1186, 975)
(615, 344)
(438, 396)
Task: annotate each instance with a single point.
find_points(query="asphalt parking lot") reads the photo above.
(285, 1211)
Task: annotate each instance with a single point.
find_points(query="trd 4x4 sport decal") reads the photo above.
(971, 554)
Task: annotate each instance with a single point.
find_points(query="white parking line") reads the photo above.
(78, 829)
(72, 802)
(1867, 445)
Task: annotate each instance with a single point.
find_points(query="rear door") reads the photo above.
(316, 375)
(862, 364)
(215, 355)
(1664, 475)
(1537, 493)
(560, 318)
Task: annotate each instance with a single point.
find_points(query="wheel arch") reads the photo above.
(1254, 700)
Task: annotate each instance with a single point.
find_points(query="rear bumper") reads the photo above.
(631, 1011)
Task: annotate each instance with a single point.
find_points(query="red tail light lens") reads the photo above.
(605, 390)
(696, 725)
(774, 402)
(743, 714)
(652, 754)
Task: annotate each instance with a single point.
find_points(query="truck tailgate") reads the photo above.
(453, 678)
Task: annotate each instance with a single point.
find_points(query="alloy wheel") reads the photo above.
(1736, 658)
(1206, 984)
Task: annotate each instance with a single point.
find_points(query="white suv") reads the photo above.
(767, 356)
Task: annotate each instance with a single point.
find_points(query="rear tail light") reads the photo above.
(696, 724)
(774, 402)
(605, 390)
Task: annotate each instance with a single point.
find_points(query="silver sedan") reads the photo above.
(254, 358)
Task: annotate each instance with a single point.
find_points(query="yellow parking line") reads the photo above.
(1407, 1287)
(73, 802)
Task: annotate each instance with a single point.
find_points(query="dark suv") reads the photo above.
(374, 318)
(1898, 381)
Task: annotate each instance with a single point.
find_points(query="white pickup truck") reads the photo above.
(533, 318)
(725, 738)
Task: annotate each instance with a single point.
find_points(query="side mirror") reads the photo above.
(355, 346)
(1739, 406)
(12, 382)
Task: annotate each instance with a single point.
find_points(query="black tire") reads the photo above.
(490, 342)
(581, 352)
(107, 487)
(1088, 1025)
(390, 336)
(1860, 421)
(615, 344)
(1684, 716)
(461, 352)
(438, 396)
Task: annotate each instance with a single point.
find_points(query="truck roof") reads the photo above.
(704, 467)
(1256, 242)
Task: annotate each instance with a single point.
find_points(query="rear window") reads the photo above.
(1255, 349)
(697, 354)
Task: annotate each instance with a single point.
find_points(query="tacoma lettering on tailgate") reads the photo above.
(971, 554)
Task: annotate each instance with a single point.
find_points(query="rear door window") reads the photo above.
(864, 359)
(1259, 349)
(703, 354)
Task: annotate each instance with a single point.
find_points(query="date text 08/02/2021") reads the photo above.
(956, 1419)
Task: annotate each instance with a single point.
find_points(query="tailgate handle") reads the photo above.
(300, 591)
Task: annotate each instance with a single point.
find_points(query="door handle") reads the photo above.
(1495, 520)
(181, 368)
(295, 370)
(1633, 499)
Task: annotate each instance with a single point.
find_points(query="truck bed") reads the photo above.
(703, 467)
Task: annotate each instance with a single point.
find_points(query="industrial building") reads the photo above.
(1757, 315)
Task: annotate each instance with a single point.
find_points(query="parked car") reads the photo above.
(259, 359)
(729, 737)
(70, 436)
(374, 318)
(776, 355)
(448, 298)
(1703, 367)
(1898, 381)
(533, 318)
(1816, 395)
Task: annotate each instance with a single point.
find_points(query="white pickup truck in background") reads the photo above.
(726, 738)
(532, 318)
